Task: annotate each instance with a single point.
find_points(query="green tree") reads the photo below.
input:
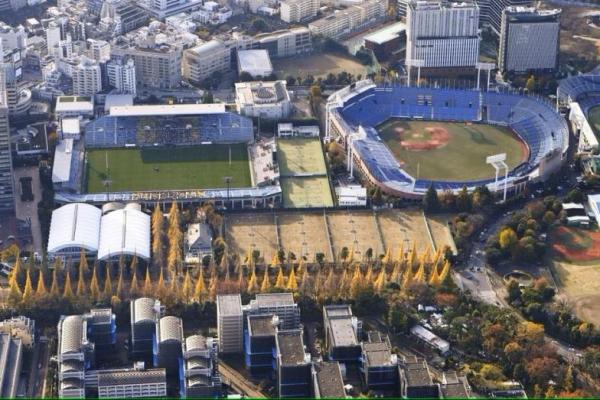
(431, 201)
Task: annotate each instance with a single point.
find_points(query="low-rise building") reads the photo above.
(431, 339)
(298, 10)
(327, 381)
(256, 63)
(294, 374)
(259, 342)
(351, 195)
(280, 304)
(136, 382)
(74, 106)
(269, 100)
(342, 333)
(416, 379)
(200, 377)
(197, 243)
(20, 327)
(379, 365)
(290, 130)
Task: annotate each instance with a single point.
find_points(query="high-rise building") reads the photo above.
(298, 10)
(202, 61)
(98, 50)
(7, 201)
(168, 348)
(293, 365)
(200, 377)
(121, 76)
(144, 313)
(87, 78)
(280, 304)
(529, 39)
(491, 11)
(442, 35)
(230, 323)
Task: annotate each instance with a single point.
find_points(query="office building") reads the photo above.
(442, 35)
(292, 11)
(75, 355)
(344, 22)
(379, 365)
(122, 76)
(293, 365)
(11, 358)
(120, 17)
(102, 328)
(20, 327)
(280, 304)
(491, 11)
(328, 382)
(200, 377)
(529, 39)
(285, 43)
(7, 201)
(230, 323)
(87, 78)
(202, 61)
(136, 382)
(144, 313)
(168, 347)
(455, 387)
(342, 333)
(259, 342)
(416, 379)
(269, 100)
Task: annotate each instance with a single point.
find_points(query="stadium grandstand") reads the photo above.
(179, 124)
(580, 95)
(354, 112)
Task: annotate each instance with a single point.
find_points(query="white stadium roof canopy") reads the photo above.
(75, 225)
(167, 110)
(124, 232)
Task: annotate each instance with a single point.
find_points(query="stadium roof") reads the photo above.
(170, 110)
(124, 232)
(75, 225)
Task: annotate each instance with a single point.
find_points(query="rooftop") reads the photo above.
(254, 60)
(131, 376)
(387, 33)
(170, 329)
(291, 347)
(275, 299)
(143, 310)
(417, 372)
(329, 379)
(230, 304)
(261, 325)
(343, 332)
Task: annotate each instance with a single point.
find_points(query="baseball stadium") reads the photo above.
(407, 139)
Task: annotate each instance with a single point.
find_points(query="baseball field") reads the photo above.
(450, 151)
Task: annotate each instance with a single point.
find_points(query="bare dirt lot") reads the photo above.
(580, 286)
(317, 65)
(304, 234)
(245, 233)
(357, 231)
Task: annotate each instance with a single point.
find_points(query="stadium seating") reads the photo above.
(534, 120)
(110, 131)
(573, 87)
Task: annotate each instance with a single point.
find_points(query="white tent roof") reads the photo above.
(74, 225)
(126, 232)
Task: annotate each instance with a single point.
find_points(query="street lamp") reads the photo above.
(228, 180)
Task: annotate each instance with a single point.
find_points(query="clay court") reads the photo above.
(577, 270)
(450, 151)
(306, 234)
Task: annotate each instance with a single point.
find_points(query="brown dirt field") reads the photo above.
(251, 231)
(440, 232)
(304, 234)
(580, 285)
(399, 225)
(438, 137)
(354, 230)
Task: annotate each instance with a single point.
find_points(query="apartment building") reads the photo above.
(298, 10)
(344, 22)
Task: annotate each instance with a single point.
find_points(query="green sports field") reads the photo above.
(306, 192)
(594, 118)
(450, 151)
(172, 168)
(300, 156)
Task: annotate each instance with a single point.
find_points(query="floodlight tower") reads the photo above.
(498, 161)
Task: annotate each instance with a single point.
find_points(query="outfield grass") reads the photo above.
(301, 156)
(172, 168)
(462, 158)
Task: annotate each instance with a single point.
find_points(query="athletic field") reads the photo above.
(167, 168)
(450, 151)
(306, 192)
(594, 118)
(301, 156)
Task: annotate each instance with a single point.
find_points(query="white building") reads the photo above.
(254, 62)
(133, 382)
(291, 130)
(124, 232)
(529, 39)
(87, 78)
(230, 323)
(202, 61)
(121, 76)
(594, 205)
(354, 18)
(73, 106)
(263, 99)
(74, 227)
(98, 50)
(442, 35)
(298, 10)
(213, 13)
(431, 339)
(160, 9)
(351, 196)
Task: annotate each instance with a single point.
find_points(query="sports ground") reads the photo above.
(450, 151)
(576, 265)
(594, 118)
(170, 168)
(304, 180)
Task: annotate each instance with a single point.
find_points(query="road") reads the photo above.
(235, 380)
